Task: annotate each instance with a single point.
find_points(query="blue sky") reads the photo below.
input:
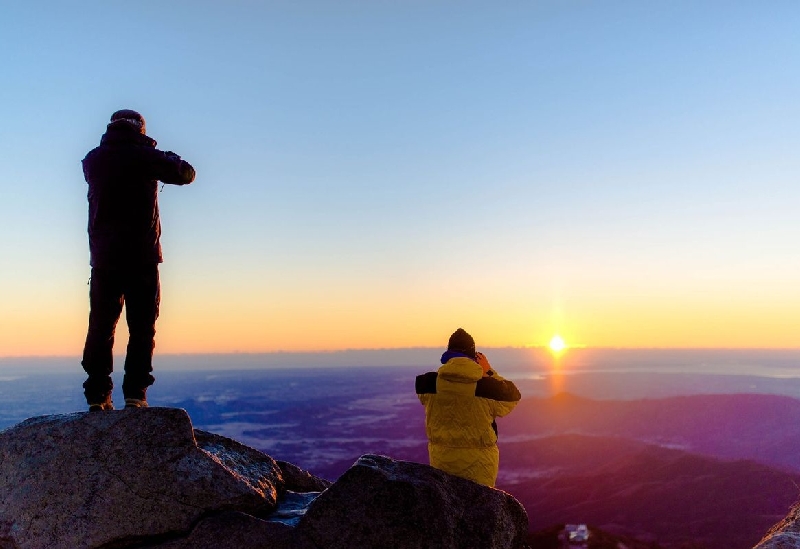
(374, 174)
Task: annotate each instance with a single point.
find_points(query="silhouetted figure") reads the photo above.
(462, 400)
(124, 241)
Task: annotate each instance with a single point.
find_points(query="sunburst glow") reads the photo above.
(557, 344)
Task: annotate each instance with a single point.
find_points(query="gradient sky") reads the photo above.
(374, 174)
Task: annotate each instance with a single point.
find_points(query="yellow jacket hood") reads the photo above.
(461, 370)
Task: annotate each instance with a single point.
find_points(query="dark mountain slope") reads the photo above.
(654, 493)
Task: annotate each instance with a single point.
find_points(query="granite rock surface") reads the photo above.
(145, 479)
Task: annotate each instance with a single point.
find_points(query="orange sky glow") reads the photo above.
(281, 326)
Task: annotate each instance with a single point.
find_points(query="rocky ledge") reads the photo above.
(785, 534)
(144, 478)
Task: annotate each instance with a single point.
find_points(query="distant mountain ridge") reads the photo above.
(742, 426)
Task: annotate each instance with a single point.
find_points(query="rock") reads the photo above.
(785, 534)
(235, 530)
(380, 502)
(250, 466)
(93, 479)
(292, 507)
(299, 480)
(143, 478)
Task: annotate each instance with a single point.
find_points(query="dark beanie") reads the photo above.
(130, 117)
(462, 342)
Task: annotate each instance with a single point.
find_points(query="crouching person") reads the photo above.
(462, 400)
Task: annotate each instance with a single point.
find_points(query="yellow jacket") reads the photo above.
(460, 407)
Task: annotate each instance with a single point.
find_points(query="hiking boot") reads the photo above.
(101, 406)
(135, 403)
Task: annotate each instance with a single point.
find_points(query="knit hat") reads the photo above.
(462, 342)
(129, 117)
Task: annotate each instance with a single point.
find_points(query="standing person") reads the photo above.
(462, 400)
(124, 242)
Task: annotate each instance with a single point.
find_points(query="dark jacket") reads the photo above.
(123, 174)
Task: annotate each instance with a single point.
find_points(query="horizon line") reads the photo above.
(543, 347)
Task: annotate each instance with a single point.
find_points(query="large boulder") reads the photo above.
(95, 479)
(380, 502)
(144, 478)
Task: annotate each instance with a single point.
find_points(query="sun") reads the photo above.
(557, 344)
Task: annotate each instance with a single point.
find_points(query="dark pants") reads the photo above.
(138, 288)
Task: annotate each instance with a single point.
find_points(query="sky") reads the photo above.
(374, 174)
